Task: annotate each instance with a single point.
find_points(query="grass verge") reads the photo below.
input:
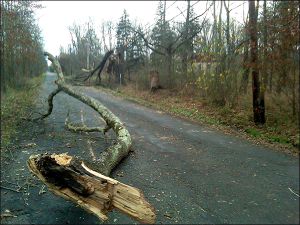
(14, 104)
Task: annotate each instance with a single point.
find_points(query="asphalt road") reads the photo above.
(189, 172)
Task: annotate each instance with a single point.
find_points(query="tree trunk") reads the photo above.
(169, 66)
(227, 35)
(265, 42)
(185, 45)
(121, 65)
(100, 66)
(214, 32)
(245, 75)
(80, 181)
(258, 98)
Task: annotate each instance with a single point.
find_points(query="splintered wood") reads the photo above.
(62, 159)
(92, 191)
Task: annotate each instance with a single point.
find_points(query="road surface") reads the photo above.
(188, 171)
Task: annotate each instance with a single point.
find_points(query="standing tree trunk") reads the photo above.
(214, 31)
(245, 76)
(227, 35)
(265, 38)
(258, 100)
(169, 66)
(122, 65)
(185, 45)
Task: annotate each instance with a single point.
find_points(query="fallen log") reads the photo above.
(111, 156)
(87, 183)
(98, 194)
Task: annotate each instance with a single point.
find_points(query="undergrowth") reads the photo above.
(14, 104)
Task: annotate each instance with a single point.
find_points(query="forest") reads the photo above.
(219, 62)
(21, 44)
(224, 64)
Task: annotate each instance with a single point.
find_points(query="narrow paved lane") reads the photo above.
(189, 172)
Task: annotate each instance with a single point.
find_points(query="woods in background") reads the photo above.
(21, 44)
(209, 54)
(204, 55)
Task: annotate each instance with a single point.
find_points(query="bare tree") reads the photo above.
(169, 42)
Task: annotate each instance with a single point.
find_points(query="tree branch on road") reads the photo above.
(50, 104)
(72, 179)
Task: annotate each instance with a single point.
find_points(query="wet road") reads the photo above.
(188, 171)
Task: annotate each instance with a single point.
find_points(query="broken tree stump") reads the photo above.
(98, 194)
(153, 79)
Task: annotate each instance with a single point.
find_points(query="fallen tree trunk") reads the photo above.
(111, 156)
(94, 192)
(77, 180)
(82, 78)
(100, 66)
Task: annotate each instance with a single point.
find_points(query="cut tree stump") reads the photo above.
(92, 191)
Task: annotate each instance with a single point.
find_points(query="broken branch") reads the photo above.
(50, 104)
(92, 191)
(103, 130)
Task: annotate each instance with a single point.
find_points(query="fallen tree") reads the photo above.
(85, 76)
(100, 66)
(87, 183)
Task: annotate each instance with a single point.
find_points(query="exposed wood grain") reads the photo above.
(92, 191)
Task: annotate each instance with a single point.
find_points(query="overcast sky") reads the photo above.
(56, 16)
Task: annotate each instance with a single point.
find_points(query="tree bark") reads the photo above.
(265, 43)
(185, 45)
(169, 66)
(120, 75)
(258, 99)
(227, 35)
(246, 70)
(72, 179)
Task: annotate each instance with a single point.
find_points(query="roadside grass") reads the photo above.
(280, 131)
(14, 104)
(36, 80)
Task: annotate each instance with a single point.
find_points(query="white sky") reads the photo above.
(55, 18)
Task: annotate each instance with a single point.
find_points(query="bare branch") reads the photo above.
(283, 25)
(50, 103)
(202, 13)
(147, 43)
(237, 6)
(103, 130)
